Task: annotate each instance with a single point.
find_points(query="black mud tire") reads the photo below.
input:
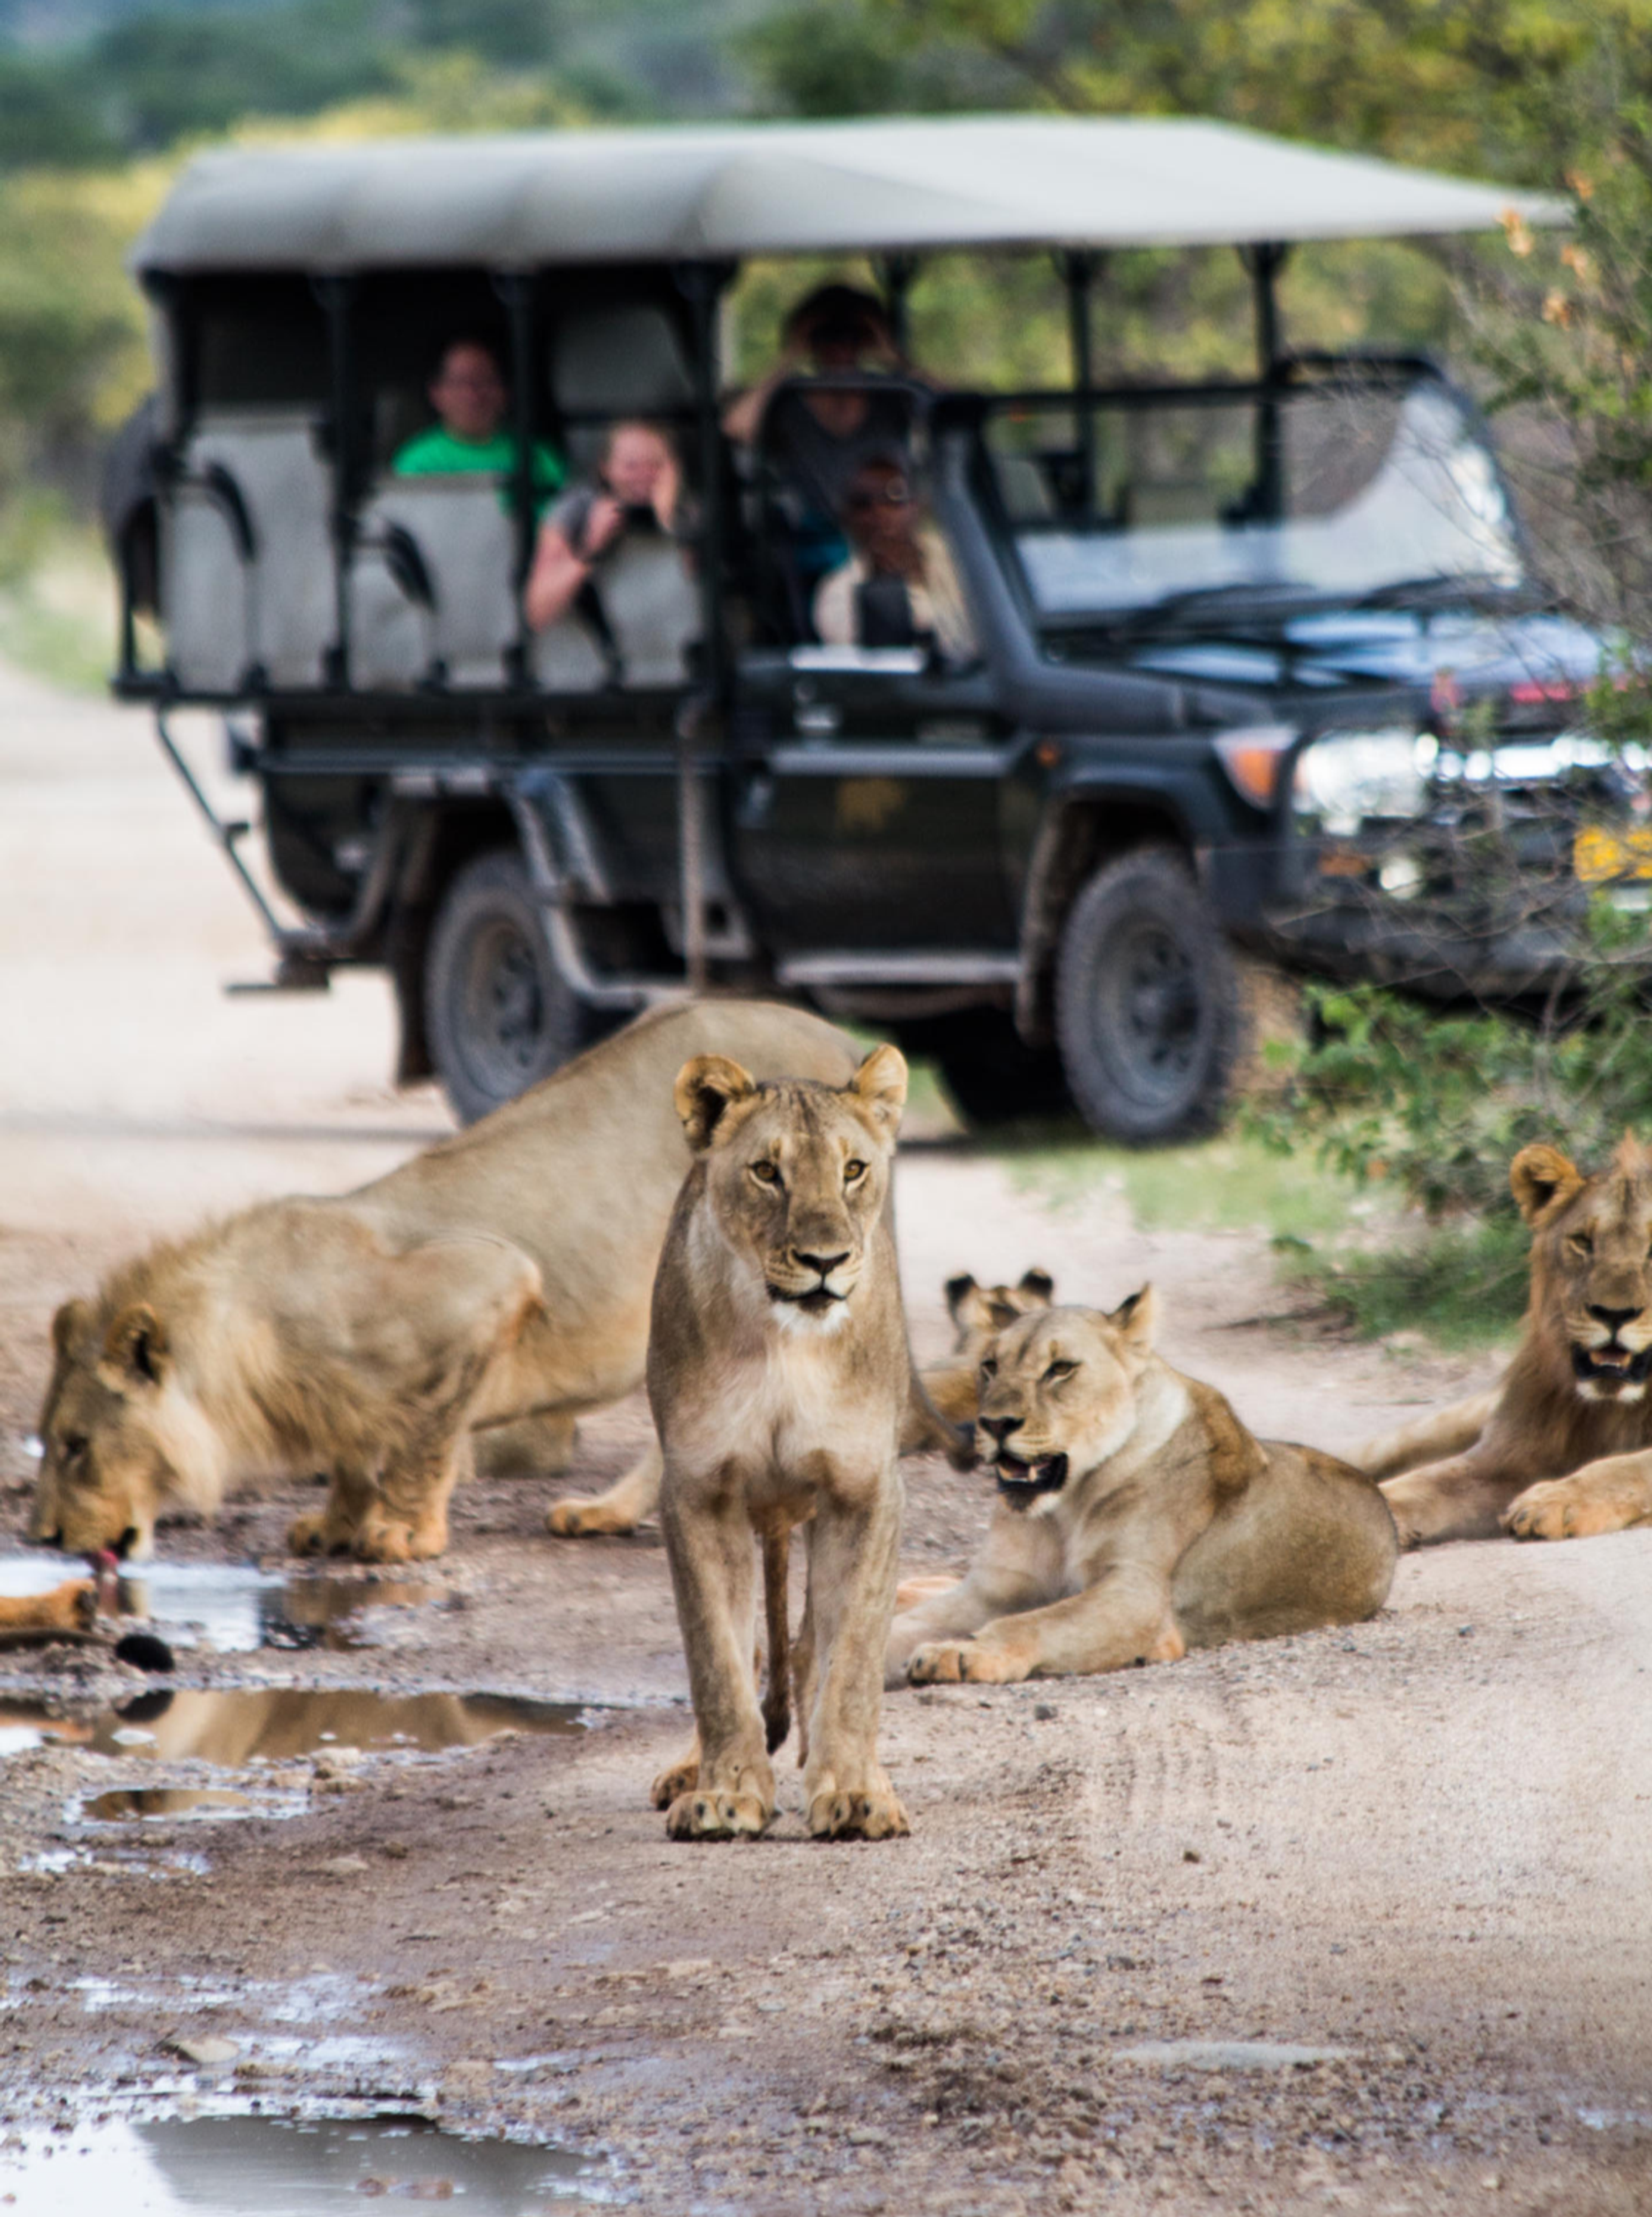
(1146, 1002)
(498, 1013)
(993, 1076)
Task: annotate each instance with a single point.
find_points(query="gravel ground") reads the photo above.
(1355, 1921)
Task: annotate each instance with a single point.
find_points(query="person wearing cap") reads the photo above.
(898, 587)
(815, 435)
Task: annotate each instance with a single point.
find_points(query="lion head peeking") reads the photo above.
(119, 1439)
(1058, 1395)
(1591, 1287)
(797, 1173)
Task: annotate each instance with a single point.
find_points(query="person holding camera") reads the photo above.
(813, 433)
(637, 494)
(899, 586)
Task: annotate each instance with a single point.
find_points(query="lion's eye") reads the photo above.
(853, 1169)
(765, 1173)
(1057, 1371)
(1581, 1243)
(989, 1369)
(73, 1445)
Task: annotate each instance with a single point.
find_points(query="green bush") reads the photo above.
(1430, 1106)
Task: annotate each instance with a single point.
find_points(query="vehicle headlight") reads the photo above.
(1348, 776)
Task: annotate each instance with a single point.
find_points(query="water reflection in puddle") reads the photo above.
(280, 1723)
(268, 2167)
(232, 1606)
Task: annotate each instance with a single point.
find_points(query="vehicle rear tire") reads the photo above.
(993, 1076)
(498, 1013)
(1146, 1002)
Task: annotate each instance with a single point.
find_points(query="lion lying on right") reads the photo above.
(1137, 1518)
(1563, 1448)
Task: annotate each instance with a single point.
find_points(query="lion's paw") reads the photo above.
(717, 1816)
(676, 1780)
(1565, 1509)
(954, 1662)
(836, 1813)
(580, 1515)
(307, 1535)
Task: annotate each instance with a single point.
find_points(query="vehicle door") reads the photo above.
(871, 790)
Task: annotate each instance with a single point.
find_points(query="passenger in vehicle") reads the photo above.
(899, 586)
(815, 440)
(470, 397)
(636, 499)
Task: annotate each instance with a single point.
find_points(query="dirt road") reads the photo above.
(1358, 1921)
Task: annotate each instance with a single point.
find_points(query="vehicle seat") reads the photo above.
(446, 614)
(653, 608)
(246, 566)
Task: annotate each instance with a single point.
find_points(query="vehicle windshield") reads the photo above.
(1143, 506)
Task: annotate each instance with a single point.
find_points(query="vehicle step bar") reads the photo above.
(941, 968)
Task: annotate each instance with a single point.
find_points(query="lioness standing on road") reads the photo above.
(778, 1375)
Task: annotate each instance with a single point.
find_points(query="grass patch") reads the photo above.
(1232, 1183)
(58, 611)
(1461, 1285)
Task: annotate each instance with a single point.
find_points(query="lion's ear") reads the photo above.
(1540, 1177)
(958, 1291)
(881, 1082)
(1137, 1320)
(705, 1089)
(67, 1325)
(134, 1348)
(1038, 1285)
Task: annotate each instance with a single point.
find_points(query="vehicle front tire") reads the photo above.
(1146, 1002)
(498, 1013)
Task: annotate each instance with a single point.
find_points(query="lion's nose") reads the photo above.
(1613, 1320)
(826, 1264)
(1000, 1427)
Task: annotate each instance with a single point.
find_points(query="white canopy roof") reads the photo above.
(879, 186)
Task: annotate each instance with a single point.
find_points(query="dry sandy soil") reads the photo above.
(1416, 1852)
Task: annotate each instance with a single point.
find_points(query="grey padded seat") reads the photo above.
(652, 607)
(464, 535)
(226, 612)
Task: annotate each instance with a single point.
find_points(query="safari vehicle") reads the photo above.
(1258, 663)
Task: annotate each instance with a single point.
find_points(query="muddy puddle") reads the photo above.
(231, 1730)
(247, 2166)
(235, 1607)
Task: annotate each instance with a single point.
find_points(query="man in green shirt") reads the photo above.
(469, 397)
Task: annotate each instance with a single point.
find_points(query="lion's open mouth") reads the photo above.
(1611, 1367)
(1021, 1483)
(816, 1302)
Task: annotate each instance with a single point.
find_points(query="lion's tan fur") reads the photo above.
(1564, 1449)
(779, 1377)
(502, 1276)
(1139, 1518)
(977, 1312)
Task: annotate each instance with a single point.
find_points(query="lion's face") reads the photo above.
(1058, 1396)
(978, 1312)
(797, 1174)
(118, 1436)
(1590, 1241)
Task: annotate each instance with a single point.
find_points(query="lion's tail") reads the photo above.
(776, 1691)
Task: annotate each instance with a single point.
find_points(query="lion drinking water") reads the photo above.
(779, 1377)
(1136, 1517)
(502, 1275)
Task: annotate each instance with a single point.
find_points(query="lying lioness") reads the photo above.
(1573, 1413)
(502, 1275)
(779, 1377)
(1136, 1517)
